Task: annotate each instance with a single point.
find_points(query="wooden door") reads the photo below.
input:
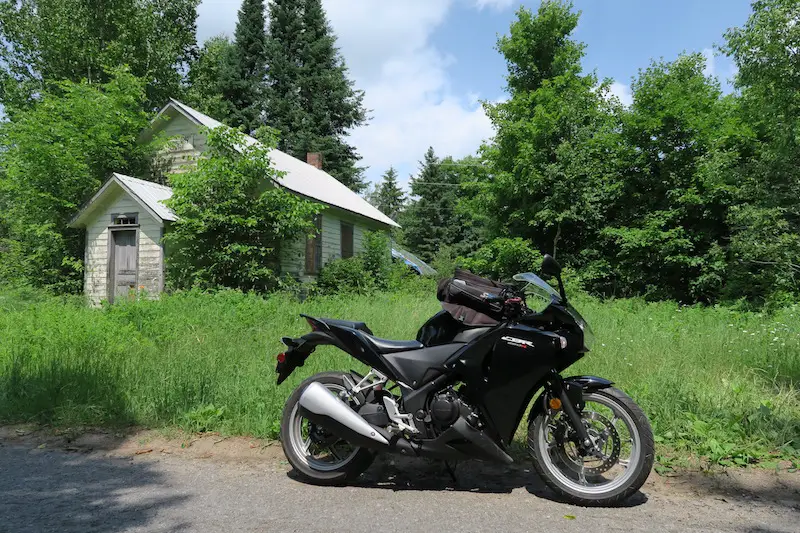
(123, 263)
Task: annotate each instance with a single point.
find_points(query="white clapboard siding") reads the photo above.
(293, 255)
(180, 157)
(149, 271)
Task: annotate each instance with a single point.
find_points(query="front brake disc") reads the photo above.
(602, 439)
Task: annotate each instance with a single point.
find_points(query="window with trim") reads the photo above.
(125, 219)
(347, 240)
(314, 248)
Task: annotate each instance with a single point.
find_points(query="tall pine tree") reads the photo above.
(245, 91)
(388, 197)
(428, 222)
(228, 79)
(310, 98)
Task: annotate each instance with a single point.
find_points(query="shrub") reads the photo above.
(230, 228)
(345, 275)
(377, 257)
(502, 258)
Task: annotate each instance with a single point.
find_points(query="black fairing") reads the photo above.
(503, 374)
(417, 367)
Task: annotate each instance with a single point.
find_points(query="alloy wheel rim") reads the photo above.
(567, 474)
(303, 440)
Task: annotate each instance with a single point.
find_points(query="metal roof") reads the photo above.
(299, 176)
(149, 195)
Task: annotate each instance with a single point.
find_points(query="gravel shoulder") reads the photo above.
(148, 481)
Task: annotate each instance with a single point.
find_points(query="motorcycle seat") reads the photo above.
(384, 346)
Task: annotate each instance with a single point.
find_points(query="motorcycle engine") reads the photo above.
(445, 408)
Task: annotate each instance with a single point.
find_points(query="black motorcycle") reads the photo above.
(464, 386)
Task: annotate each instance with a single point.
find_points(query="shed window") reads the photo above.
(347, 240)
(314, 249)
(125, 219)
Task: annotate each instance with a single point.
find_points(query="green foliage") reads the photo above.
(665, 227)
(231, 219)
(686, 194)
(429, 222)
(765, 240)
(549, 160)
(246, 90)
(366, 272)
(56, 154)
(171, 362)
(48, 41)
(309, 97)
(389, 198)
(377, 257)
(203, 418)
(345, 276)
(211, 79)
(502, 258)
(228, 79)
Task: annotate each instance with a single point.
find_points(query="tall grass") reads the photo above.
(717, 382)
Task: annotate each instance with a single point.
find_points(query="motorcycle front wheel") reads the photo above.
(622, 460)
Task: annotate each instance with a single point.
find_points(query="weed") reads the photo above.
(715, 382)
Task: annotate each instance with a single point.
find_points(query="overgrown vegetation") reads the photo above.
(715, 382)
(232, 220)
(54, 156)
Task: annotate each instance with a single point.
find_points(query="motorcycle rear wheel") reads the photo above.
(557, 462)
(319, 458)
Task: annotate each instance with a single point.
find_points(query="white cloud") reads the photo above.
(622, 92)
(496, 4)
(710, 68)
(408, 88)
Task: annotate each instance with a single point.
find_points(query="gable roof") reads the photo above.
(298, 176)
(149, 195)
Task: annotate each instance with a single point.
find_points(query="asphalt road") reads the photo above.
(55, 490)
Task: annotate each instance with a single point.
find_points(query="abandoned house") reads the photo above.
(126, 219)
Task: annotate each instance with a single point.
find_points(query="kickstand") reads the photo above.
(451, 470)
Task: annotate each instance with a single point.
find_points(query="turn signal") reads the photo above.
(555, 404)
(281, 357)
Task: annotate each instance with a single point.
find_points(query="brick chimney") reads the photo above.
(314, 159)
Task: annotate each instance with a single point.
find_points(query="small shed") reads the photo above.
(124, 221)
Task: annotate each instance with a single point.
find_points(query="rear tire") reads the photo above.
(348, 469)
(626, 408)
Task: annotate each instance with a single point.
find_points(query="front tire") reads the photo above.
(560, 466)
(316, 456)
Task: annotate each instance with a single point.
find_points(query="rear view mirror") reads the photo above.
(550, 266)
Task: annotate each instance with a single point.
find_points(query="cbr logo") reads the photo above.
(520, 343)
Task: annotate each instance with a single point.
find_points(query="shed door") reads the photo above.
(123, 263)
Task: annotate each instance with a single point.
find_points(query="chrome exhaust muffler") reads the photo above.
(320, 406)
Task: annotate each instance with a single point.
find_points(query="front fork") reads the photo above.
(568, 405)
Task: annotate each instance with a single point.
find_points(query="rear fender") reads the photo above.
(586, 384)
(298, 350)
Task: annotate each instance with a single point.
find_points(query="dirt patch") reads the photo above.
(735, 486)
(142, 442)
